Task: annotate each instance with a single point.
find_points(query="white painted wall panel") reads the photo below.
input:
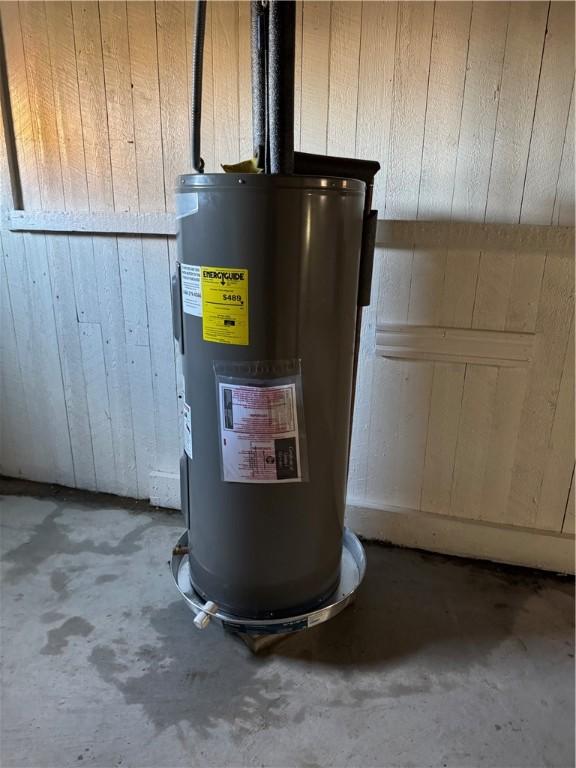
(469, 107)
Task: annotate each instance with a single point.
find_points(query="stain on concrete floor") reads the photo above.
(440, 662)
(57, 638)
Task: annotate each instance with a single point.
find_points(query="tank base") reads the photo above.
(352, 569)
(258, 643)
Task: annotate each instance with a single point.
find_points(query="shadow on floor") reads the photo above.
(412, 602)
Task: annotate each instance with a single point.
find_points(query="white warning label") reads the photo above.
(187, 431)
(191, 289)
(259, 434)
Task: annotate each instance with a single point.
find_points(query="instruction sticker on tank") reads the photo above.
(224, 305)
(259, 434)
(187, 431)
(191, 289)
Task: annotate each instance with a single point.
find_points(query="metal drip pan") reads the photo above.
(352, 569)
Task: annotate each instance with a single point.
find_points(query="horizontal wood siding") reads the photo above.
(464, 405)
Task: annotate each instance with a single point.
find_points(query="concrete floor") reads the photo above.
(441, 662)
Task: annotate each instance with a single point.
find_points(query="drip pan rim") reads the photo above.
(352, 570)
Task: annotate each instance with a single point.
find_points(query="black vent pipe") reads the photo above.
(281, 46)
(259, 40)
(196, 110)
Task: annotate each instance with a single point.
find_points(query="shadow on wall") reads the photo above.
(462, 355)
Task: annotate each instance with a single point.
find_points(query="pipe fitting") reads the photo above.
(202, 618)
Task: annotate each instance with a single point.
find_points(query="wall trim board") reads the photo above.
(401, 235)
(464, 538)
(548, 551)
(165, 489)
(71, 222)
(454, 345)
(524, 238)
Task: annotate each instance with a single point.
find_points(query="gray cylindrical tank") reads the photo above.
(272, 548)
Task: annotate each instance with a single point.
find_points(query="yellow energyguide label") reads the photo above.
(225, 305)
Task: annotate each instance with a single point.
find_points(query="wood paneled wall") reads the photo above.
(469, 108)
(466, 105)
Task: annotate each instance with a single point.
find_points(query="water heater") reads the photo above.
(273, 268)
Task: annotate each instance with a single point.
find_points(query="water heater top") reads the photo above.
(268, 181)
